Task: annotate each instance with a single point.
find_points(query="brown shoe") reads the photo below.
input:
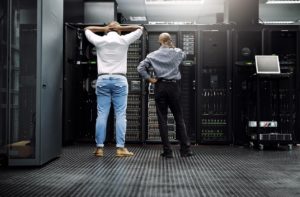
(98, 152)
(123, 152)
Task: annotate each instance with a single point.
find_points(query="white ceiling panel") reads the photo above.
(201, 14)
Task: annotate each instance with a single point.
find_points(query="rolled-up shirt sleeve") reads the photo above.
(133, 36)
(142, 68)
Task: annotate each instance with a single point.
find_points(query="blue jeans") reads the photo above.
(111, 88)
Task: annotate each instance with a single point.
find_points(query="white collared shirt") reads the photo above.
(112, 50)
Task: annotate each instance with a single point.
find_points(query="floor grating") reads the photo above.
(213, 171)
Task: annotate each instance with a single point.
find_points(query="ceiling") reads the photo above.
(200, 14)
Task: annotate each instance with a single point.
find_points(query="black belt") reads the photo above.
(168, 80)
(112, 74)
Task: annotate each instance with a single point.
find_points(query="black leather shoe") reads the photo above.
(186, 153)
(167, 154)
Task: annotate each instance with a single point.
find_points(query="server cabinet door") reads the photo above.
(213, 82)
(35, 79)
(22, 72)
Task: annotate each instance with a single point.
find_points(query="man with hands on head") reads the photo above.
(165, 63)
(112, 85)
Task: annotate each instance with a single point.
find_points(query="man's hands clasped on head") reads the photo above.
(114, 26)
(112, 65)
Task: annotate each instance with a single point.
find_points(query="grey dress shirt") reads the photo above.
(165, 62)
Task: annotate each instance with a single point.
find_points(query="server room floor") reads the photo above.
(213, 171)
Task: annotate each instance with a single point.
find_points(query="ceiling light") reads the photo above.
(283, 1)
(137, 18)
(173, 2)
(277, 22)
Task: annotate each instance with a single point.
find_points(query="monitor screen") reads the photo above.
(267, 64)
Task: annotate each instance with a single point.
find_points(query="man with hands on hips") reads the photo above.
(165, 63)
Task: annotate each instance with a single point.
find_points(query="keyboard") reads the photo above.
(273, 75)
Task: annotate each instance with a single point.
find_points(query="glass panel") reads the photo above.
(3, 76)
(22, 74)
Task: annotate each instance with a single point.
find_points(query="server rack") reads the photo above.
(80, 79)
(80, 73)
(188, 43)
(246, 44)
(211, 113)
(214, 86)
(31, 81)
(284, 42)
(136, 100)
(264, 109)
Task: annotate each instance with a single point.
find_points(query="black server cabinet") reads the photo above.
(284, 42)
(79, 89)
(187, 42)
(246, 44)
(152, 134)
(80, 74)
(214, 87)
(70, 85)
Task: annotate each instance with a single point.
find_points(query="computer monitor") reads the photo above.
(267, 64)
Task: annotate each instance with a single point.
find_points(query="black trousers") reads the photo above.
(167, 94)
